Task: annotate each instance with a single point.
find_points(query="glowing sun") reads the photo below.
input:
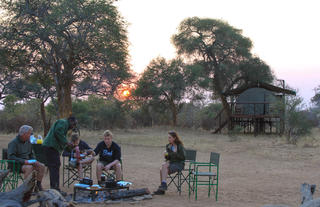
(126, 93)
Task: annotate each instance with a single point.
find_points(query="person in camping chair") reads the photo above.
(109, 156)
(78, 154)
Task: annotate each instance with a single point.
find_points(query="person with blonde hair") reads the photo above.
(175, 156)
(109, 156)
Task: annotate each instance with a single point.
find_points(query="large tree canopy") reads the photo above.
(69, 40)
(164, 82)
(220, 55)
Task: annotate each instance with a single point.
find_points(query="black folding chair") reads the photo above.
(182, 176)
(70, 171)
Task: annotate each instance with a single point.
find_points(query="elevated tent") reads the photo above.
(258, 97)
(252, 105)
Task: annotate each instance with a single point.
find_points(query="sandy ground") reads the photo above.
(253, 172)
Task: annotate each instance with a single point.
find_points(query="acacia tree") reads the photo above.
(70, 40)
(220, 56)
(9, 61)
(163, 82)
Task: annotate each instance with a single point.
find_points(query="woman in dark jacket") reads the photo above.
(175, 156)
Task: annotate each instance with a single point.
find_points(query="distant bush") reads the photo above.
(16, 114)
(208, 114)
(297, 122)
(189, 116)
(97, 113)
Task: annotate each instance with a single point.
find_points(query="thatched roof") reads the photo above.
(266, 86)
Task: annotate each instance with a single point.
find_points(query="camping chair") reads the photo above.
(209, 171)
(182, 176)
(70, 171)
(12, 180)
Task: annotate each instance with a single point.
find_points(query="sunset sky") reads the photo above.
(285, 33)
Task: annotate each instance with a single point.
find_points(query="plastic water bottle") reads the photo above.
(33, 140)
(39, 140)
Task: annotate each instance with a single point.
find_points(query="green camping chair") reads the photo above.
(205, 173)
(12, 180)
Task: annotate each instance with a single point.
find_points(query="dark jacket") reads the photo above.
(106, 154)
(19, 150)
(56, 137)
(178, 156)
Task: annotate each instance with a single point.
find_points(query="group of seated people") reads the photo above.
(80, 153)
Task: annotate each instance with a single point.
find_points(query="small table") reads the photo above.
(94, 191)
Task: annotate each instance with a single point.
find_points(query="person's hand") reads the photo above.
(26, 162)
(70, 144)
(89, 152)
(36, 164)
(166, 155)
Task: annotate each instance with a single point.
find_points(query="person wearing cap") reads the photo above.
(54, 143)
(20, 150)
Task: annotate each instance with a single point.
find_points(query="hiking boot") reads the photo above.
(159, 192)
(163, 186)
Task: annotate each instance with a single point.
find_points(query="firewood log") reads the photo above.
(3, 174)
(128, 193)
(19, 195)
(53, 198)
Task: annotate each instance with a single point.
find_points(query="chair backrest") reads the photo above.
(4, 153)
(214, 158)
(191, 155)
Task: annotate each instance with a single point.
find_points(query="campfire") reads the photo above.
(85, 192)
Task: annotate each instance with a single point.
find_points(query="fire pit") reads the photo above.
(95, 193)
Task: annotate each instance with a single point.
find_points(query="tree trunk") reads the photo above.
(64, 99)
(44, 119)
(226, 107)
(174, 114)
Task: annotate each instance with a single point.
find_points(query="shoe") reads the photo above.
(163, 186)
(159, 192)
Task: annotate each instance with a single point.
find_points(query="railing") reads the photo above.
(252, 108)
